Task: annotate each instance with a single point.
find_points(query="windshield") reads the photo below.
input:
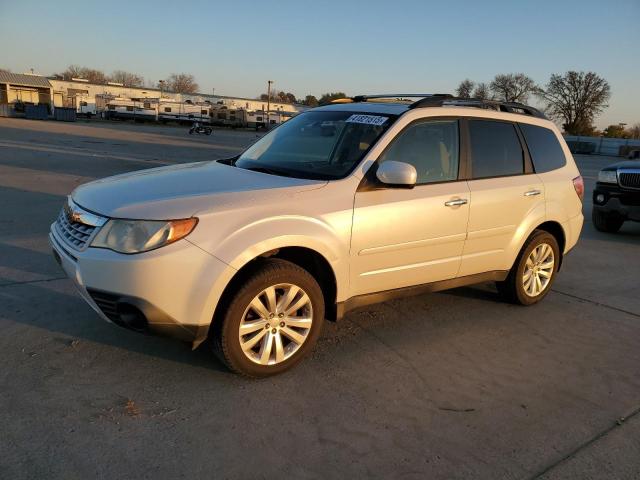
(322, 145)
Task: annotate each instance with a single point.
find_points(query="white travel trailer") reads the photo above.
(131, 109)
(184, 112)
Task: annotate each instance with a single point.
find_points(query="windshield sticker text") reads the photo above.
(367, 119)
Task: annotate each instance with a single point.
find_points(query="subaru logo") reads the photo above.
(71, 214)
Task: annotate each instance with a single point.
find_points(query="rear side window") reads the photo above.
(495, 149)
(546, 153)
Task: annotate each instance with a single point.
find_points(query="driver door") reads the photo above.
(403, 237)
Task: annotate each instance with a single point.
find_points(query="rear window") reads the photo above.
(495, 149)
(544, 148)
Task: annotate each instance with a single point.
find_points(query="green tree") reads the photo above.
(615, 131)
(311, 101)
(329, 97)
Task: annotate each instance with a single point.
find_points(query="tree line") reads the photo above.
(574, 98)
(176, 82)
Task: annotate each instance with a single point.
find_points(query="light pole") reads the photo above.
(269, 82)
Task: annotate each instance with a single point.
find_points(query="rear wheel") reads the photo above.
(533, 272)
(272, 322)
(606, 222)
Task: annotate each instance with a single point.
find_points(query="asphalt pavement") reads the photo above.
(449, 385)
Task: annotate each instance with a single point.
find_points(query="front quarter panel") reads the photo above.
(318, 219)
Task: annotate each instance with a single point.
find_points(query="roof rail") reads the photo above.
(400, 96)
(511, 107)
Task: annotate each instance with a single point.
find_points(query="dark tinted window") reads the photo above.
(546, 153)
(495, 149)
(431, 147)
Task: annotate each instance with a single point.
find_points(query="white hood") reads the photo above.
(180, 191)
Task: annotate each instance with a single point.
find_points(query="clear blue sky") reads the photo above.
(318, 46)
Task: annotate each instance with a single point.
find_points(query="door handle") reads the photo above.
(456, 203)
(532, 193)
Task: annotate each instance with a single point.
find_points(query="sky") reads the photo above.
(312, 47)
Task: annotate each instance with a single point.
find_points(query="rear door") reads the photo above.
(504, 192)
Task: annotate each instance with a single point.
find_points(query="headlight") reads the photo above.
(607, 176)
(136, 236)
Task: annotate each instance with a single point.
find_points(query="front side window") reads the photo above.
(317, 144)
(431, 146)
(544, 148)
(495, 149)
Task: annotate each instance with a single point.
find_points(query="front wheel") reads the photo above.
(272, 322)
(534, 271)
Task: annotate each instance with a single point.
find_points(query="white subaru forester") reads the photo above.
(342, 206)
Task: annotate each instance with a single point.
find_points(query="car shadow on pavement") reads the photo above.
(484, 291)
(54, 306)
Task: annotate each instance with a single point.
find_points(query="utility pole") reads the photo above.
(269, 82)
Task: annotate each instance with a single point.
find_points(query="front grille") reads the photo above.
(76, 226)
(629, 179)
(76, 234)
(107, 302)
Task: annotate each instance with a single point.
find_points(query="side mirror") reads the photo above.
(397, 174)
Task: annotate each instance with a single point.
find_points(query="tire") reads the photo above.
(606, 222)
(191, 132)
(515, 288)
(208, 131)
(250, 361)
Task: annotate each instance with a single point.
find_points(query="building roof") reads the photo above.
(24, 80)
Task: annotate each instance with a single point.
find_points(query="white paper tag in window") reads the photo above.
(367, 119)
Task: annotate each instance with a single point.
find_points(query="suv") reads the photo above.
(616, 197)
(342, 206)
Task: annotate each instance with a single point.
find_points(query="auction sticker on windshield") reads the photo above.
(367, 119)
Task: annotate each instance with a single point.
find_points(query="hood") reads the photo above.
(623, 164)
(179, 191)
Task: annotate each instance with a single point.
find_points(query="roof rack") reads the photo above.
(400, 96)
(445, 99)
(511, 107)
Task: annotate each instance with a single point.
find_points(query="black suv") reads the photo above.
(616, 197)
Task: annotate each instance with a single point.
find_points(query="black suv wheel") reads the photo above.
(606, 222)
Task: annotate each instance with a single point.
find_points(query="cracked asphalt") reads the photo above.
(448, 385)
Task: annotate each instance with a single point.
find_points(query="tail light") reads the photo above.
(578, 184)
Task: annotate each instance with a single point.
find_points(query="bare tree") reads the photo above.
(95, 76)
(76, 71)
(465, 88)
(634, 131)
(182, 83)
(128, 79)
(512, 87)
(482, 92)
(576, 98)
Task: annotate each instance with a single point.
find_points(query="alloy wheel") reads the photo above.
(276, 324)
(538, 270)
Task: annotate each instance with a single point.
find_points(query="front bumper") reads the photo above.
(618, 201)
(169, 291)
